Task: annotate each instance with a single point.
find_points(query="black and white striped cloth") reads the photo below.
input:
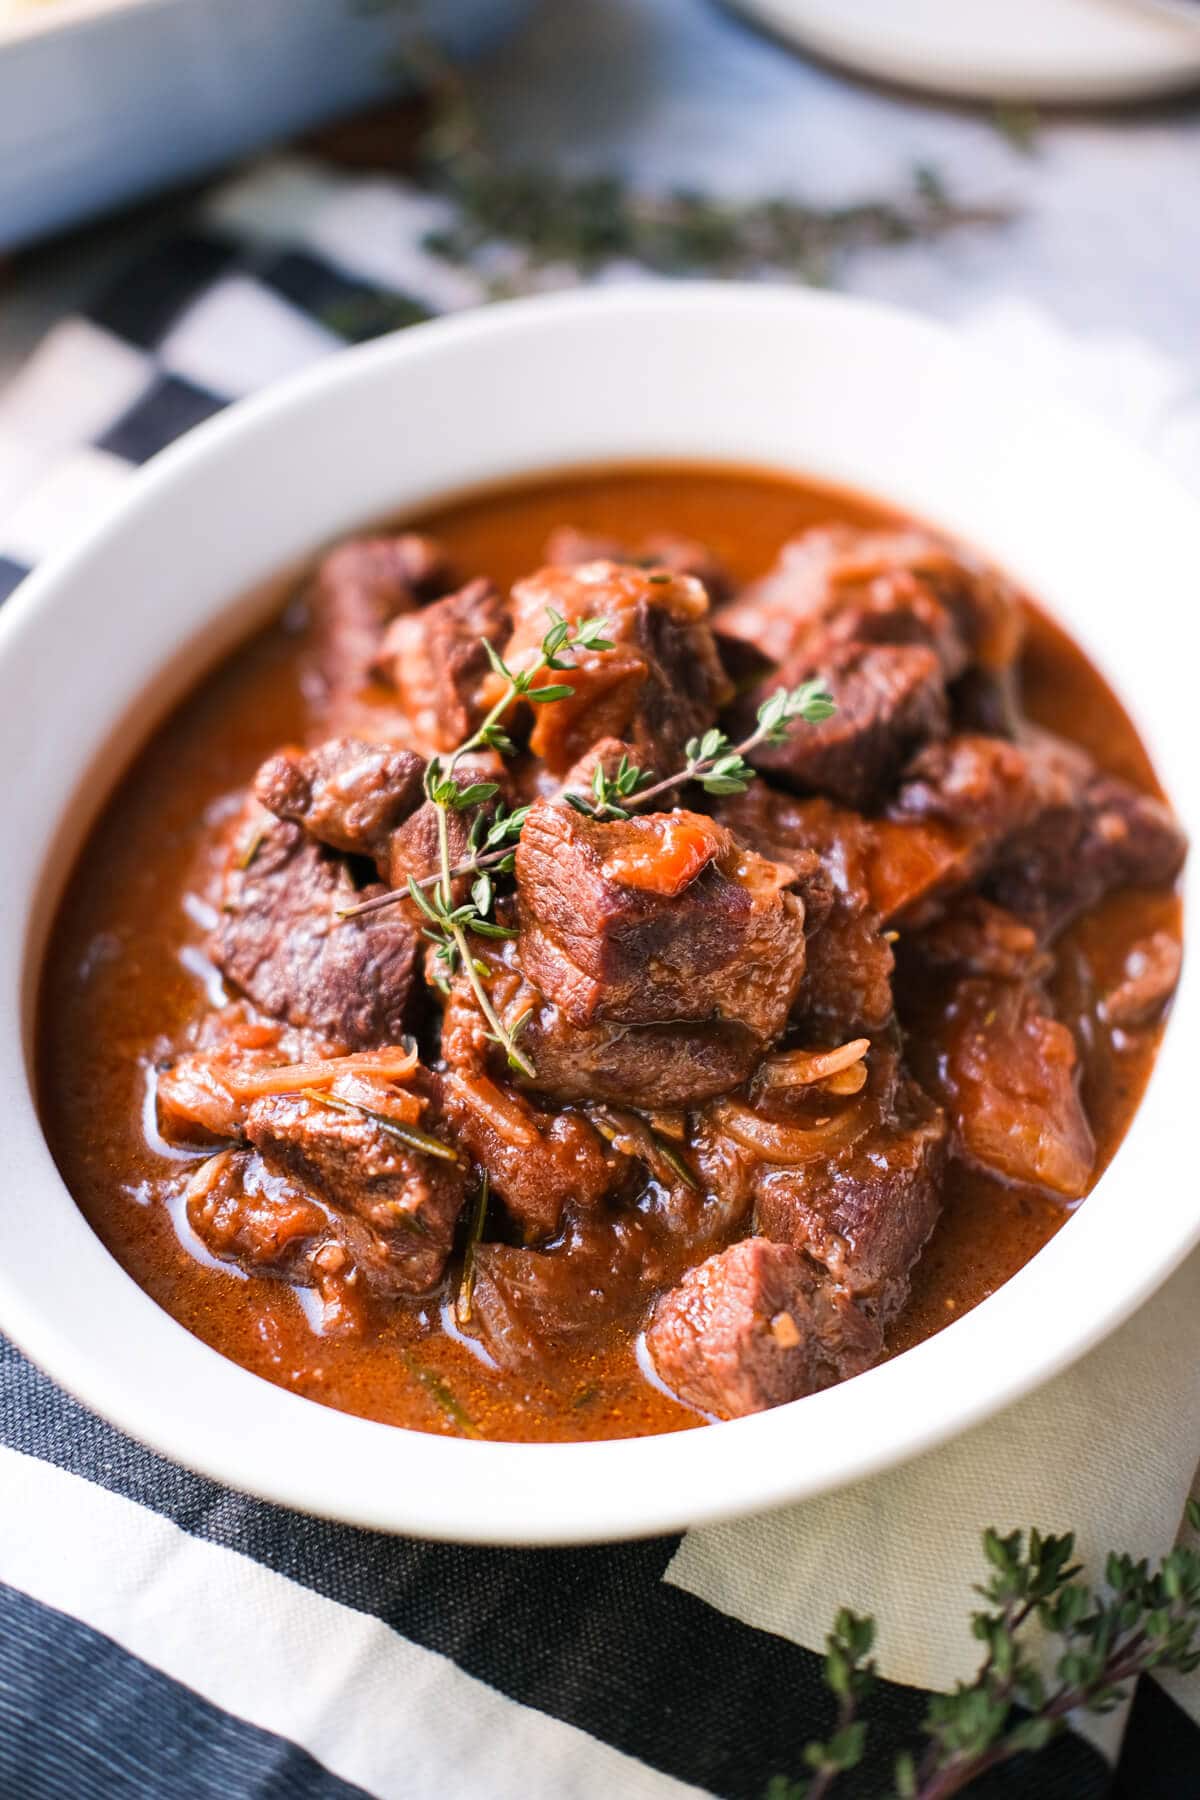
(160, 1636)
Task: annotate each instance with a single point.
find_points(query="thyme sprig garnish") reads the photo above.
(447, 923)
(713, 762)
(1142, 1618)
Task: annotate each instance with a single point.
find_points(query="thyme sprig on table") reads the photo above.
(1142, 1618)
(512, 221)
(448, 923)
(713, 762)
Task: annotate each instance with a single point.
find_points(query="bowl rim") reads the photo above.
(298, 1453)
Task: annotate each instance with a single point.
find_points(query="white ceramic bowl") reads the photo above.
(98, 645)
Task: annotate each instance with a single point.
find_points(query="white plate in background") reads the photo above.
(1066, 51)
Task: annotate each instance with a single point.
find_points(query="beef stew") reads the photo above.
(794, 1067)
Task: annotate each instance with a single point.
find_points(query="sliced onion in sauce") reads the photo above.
(804, 1068)
(776, 1142)
(392, 1064)
(499, 1110)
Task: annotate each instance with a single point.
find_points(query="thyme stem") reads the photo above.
(696, 768)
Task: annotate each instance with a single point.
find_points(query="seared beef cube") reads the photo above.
(436, 661)
(568, 547)
(346, 793)
(661, 683)
(1117, 837)
(280, 941)
(1008, 1075)
(900, 870)
(656, 919)
(1150, 977)
(359, 588)
(394, 1208)
(630, 1065)
(536, 1161)
(990, 789)
(527, 1303)
(753, 1327)
(1052, 833)
(890, 699)
(866, 1210)
(244, 1213)
(904, 587)
(868, 1214)
(976, 937)
(637, 1065)
(847, 985)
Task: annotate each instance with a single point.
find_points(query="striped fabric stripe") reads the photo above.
(378, 1711)
(592, 1637)
(110, 1725)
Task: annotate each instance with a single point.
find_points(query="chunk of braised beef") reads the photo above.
(976, 937)
(661, 683)
(393, 1207)
(359, 588)
(1148, 980)
(991, 789)
(346, 793)
(536, 1160)
(280, 940)
(656, 919)
(847, 985)
(890, 699)
(528, 1303)
(866, 1210)
(908, 587)
(637, 1065)
(1051, 832)
(1117, 837)
(629, 1065)
(755, 1326)
(1007, 1073)
(568, 547)
(436, 662)
(902, 870)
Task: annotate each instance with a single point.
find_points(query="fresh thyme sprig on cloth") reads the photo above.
(1141, 1619)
